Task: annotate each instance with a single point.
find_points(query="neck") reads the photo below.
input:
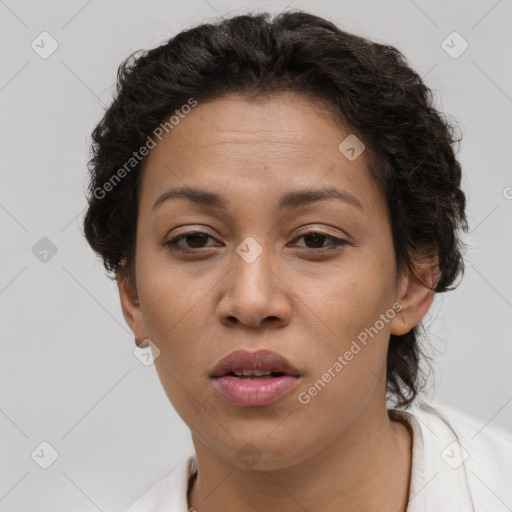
(367, 467)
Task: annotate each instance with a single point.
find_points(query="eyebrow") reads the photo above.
(288, 201)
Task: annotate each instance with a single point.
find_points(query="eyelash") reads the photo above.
(172, 243)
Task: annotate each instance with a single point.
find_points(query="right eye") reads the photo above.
(194, 240)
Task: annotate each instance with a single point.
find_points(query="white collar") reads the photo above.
(437, 463)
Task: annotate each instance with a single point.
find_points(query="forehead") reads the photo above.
(282, 118)
(276, 143)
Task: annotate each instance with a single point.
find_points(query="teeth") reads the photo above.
(257, 373)
(249, 373)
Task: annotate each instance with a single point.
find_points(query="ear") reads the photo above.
(414, 295)
(131, 307)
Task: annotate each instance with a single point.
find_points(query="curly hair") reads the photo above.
(371, 88)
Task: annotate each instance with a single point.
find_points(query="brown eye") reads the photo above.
(193, 240)
(315, 240)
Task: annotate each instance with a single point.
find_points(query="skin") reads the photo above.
(341, 451)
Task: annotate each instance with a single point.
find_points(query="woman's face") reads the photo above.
(266, 274)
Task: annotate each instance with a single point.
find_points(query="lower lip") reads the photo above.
(254, 393)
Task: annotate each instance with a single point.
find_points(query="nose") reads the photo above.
(255, 294)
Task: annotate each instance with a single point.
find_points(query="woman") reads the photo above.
(279, 202)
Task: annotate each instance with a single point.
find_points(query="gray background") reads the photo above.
(68, 373)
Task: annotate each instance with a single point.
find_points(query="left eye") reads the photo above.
(196, 239)
(318, 238)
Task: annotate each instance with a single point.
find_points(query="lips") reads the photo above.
(262, 360)
(241, 380)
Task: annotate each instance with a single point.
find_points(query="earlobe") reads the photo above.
(415, 295)
(130, 305)
(142, 343)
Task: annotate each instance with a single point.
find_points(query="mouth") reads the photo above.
(262, 364)
(255, 374)
(254, 379)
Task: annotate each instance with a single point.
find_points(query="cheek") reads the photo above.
(168, 291)
(348, 357)
(349, 304)
(177, 318)
(352, 296)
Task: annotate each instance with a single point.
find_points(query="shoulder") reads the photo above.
(470, 454)
(170, 493)
(481, 439)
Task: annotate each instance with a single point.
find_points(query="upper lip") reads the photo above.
(259, 360)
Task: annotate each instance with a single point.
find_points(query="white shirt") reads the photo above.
(459, 464)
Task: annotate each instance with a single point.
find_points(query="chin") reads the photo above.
(264, 450)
